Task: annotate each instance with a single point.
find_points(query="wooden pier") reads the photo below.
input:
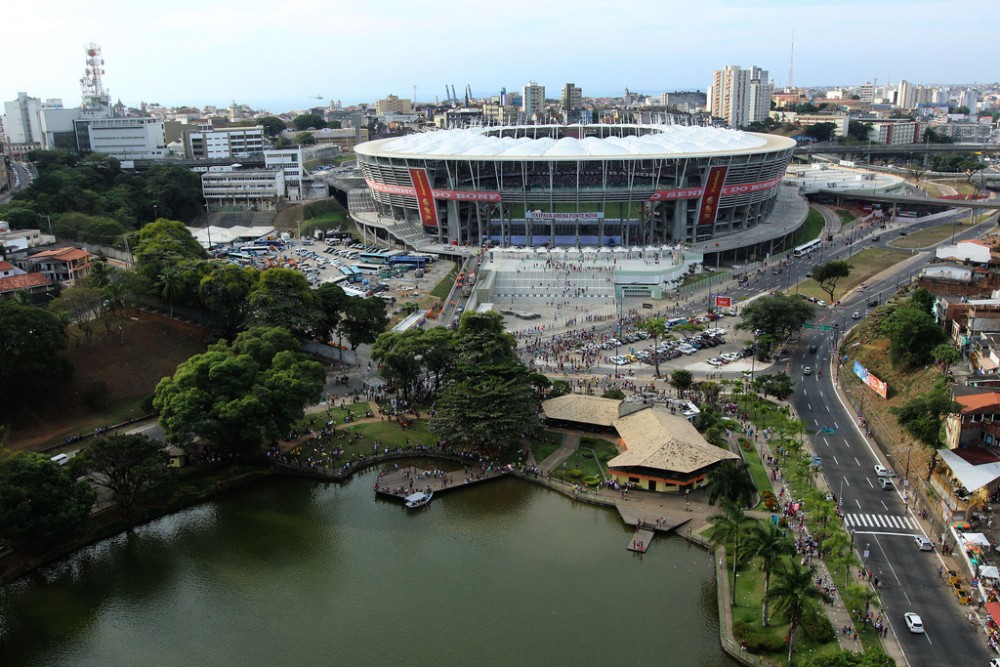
(641, 540)
(401, 482)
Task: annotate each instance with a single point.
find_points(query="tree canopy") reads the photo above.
(237, 395)
(164, 245)
(308, 121)
(777, 315)
(124, 464)
(912, 334)
(41, 502)
(828, 274)
(31, 344)
(273, 126)
(490, 398)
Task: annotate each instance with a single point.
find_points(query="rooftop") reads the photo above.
(641, 141)
(657, 439)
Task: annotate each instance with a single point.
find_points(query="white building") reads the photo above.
(128, 138)
(840, 121)
(253, 189)
(21, 125)
(206, 142)
(895, 133)
(740, 96)
(905, 95)
(289, 161)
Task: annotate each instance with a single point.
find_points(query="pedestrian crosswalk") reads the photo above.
(876, 521)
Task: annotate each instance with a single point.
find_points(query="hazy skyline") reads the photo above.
(269, 55)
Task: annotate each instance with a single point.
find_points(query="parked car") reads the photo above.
(882, 471)
(885, 483)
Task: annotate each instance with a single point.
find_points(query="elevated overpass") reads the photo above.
(904, 200)
(883, 149)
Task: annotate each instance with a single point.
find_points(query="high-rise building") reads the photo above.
(740, 96)
(905, 95)
(572, 98)
(969, 98)
(21, 125)
(533, 100)
(867, 93)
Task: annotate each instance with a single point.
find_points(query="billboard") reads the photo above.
(723, 302)
(708, 208)
(727, 190)
(425, 198)
(876, 385)
(456, 195)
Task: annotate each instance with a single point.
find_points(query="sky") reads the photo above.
(277, 55)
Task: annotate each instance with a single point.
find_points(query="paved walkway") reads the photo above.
(569, 444)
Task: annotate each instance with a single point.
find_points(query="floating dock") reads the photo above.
(641, 540)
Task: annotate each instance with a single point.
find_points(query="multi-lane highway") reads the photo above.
(880, 521)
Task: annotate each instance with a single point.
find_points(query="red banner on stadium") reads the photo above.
(727, 190)
(708, 209)
(723, 302)
(425, 198)
(456, 195)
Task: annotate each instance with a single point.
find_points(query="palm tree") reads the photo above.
(731, 481)
(796, 595)
(769, 545)
(171, 287)
(726, 529)
(655, 327)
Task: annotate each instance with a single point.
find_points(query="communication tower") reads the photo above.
(92, 84)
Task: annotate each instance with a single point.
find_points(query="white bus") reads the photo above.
(807, 248)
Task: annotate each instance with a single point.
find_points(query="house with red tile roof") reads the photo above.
(65, 266)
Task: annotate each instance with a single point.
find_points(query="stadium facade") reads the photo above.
(572, 185)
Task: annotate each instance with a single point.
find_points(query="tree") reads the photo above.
(778, 315)
(821, 131)
(79, 305)
(730, 480)
(236, 396)
(656, 327)
(779, 385)
(439, 352)
(923, 299)
(126, 465)
(364, 320)
(729, 528)
(859, 131)
(273, 126)
(916, 170)
(41, 503)
(171, 287)
(162, 245)
(922, 417)
(282, 298)
(490, 398)
(827, 275)
(795, 595)
(945, 355)
(681, 380)
(175, 191)
(871, 657)
(308, 121)
(400, 358)
(31, 344)
(912, 334)
(768, 544)
(305, 139)
(223, 293)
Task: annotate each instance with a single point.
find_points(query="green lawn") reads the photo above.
(442, 288)
(846, 217)
(543, 446)
(812, 227)
(583, 459)
(864, 265)
(927, 237)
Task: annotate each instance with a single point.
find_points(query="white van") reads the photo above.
(61, 459)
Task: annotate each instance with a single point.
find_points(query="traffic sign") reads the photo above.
(808, 325)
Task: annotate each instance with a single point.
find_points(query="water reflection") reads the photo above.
(294, 572)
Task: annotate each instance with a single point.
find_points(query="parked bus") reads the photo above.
(368, 268)
(807, 248)
(408, 261)
(351, 273)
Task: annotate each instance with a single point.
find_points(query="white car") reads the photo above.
(923, 543)
(882, 471)
(914, 623)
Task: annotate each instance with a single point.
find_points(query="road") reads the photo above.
(882, 526)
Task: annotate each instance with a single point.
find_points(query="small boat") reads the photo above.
(418, 499)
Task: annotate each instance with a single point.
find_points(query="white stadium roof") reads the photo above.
(657, 140)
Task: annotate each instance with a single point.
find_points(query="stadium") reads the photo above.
(571, 185)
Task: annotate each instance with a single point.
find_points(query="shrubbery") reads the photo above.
(757, 640)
